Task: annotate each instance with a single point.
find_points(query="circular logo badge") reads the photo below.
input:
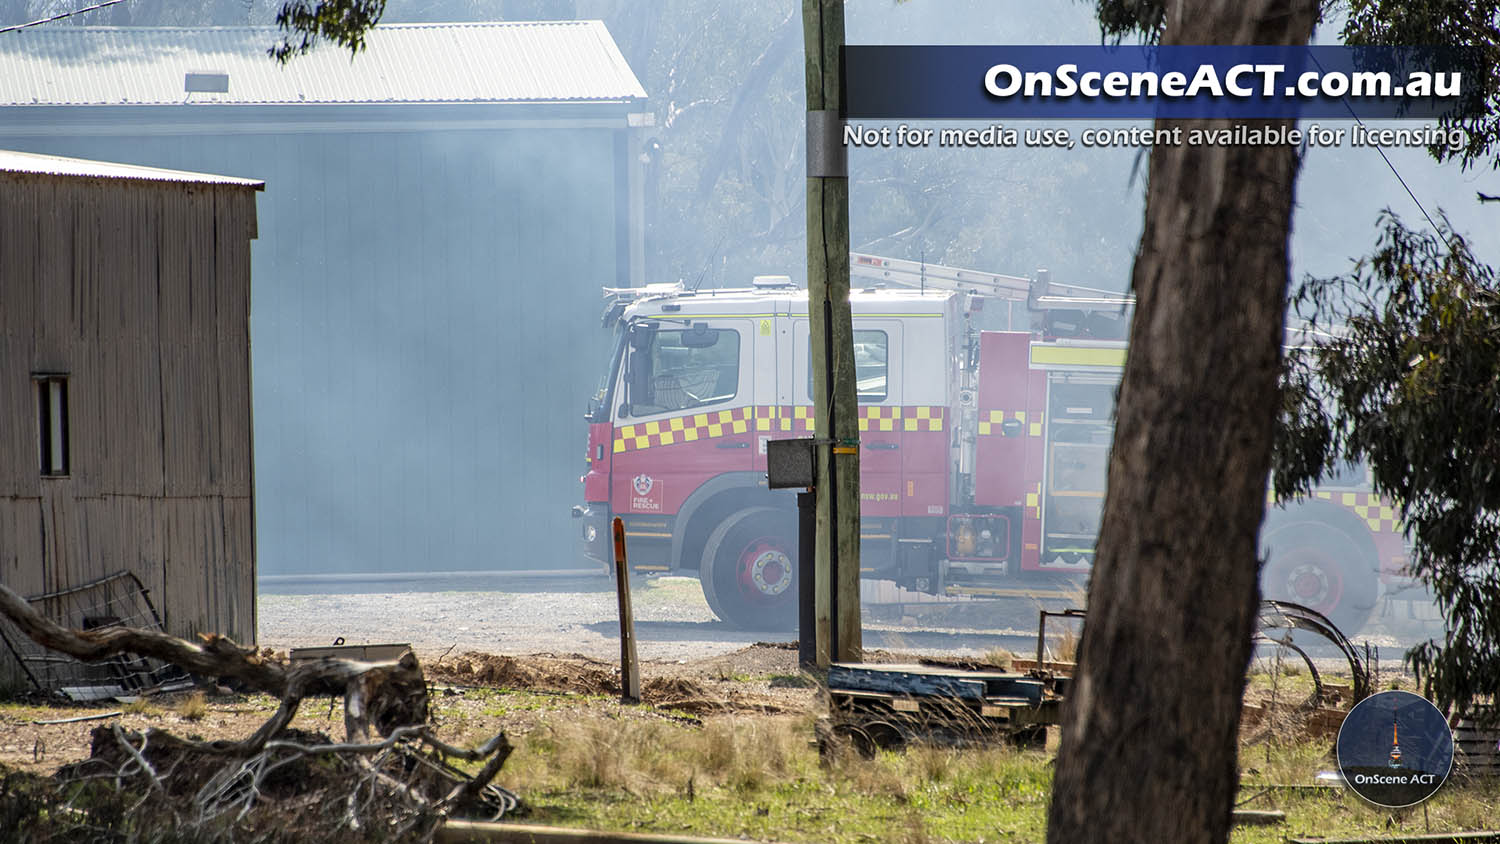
(1395, 749)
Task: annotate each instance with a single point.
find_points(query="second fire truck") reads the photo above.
(986, 416)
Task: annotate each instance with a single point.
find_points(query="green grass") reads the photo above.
(667, 591)
(1457, 806)
(760, 777)
(502, 702)
(621, 769)
(1292, 684)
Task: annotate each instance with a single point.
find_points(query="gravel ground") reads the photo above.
(564, 615)
(576, 615)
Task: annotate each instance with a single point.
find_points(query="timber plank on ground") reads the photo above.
(1424, 838)
(474, 832)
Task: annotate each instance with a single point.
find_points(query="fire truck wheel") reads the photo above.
(1319, 566)
(749, 570)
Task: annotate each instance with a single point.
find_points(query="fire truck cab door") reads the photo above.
(877, 371)
(683, 412)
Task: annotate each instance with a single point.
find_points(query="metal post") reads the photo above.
(1041, 639)
(630, 669)
(807, 537)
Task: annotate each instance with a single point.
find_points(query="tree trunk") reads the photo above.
(1149, 745)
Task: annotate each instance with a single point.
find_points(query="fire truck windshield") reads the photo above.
(674, 369)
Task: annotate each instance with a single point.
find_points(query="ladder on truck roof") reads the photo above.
(1040, 293)
(1064, 309)
(1044, 307)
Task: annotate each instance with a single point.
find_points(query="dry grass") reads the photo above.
(1067, 646)
(141, 706)
(762, 777)
(193, 707)
(1000, 658)
(659, 757)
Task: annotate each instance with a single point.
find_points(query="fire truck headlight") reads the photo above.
(590, 533)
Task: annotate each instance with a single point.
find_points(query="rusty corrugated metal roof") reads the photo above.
(56, 165)
(513, 62)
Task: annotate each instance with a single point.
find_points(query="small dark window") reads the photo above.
(52, 423)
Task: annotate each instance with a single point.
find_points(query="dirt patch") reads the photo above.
(737, 682)
(574, 673)
(762, 659)
(30, 746)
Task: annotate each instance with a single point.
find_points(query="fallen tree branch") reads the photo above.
(476, 754)
(218, 656)
(402, 780)
(384, 695)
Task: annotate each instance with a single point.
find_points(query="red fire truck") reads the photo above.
(986, 415)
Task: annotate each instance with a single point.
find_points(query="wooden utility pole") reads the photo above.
(836, 562)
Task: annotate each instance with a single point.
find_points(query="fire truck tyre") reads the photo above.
(1319, 566)
(749, 570)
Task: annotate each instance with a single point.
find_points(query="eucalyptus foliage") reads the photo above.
(1463, 31)
(344, 22)
(1408, 381)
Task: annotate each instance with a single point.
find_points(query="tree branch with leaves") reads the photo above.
(343, 22)
(1409, 382)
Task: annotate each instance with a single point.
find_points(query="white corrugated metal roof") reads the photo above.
(55, 165)
(561, 61)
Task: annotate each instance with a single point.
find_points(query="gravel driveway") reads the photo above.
(553, 615)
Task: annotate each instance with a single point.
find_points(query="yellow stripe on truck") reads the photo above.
(1077, 356)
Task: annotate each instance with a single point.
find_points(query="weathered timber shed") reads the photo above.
(125, 386)
(444, 209)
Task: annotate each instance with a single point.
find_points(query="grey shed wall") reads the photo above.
(140, 292)
(424, 324)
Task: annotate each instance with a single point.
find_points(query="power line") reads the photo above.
(1381, 150)
(61, 16)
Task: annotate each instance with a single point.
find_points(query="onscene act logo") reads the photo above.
(1395, 749)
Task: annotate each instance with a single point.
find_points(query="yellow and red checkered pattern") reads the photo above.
(798, 419)
(1034, 502)
(766, 418)
(683, 429)
(914, 418)
(1379, 515)
(990, 421)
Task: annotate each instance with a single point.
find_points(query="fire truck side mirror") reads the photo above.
(1010, 428)
(789, 463)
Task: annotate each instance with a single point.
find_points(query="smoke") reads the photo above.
(425, 302)
(424, 337)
